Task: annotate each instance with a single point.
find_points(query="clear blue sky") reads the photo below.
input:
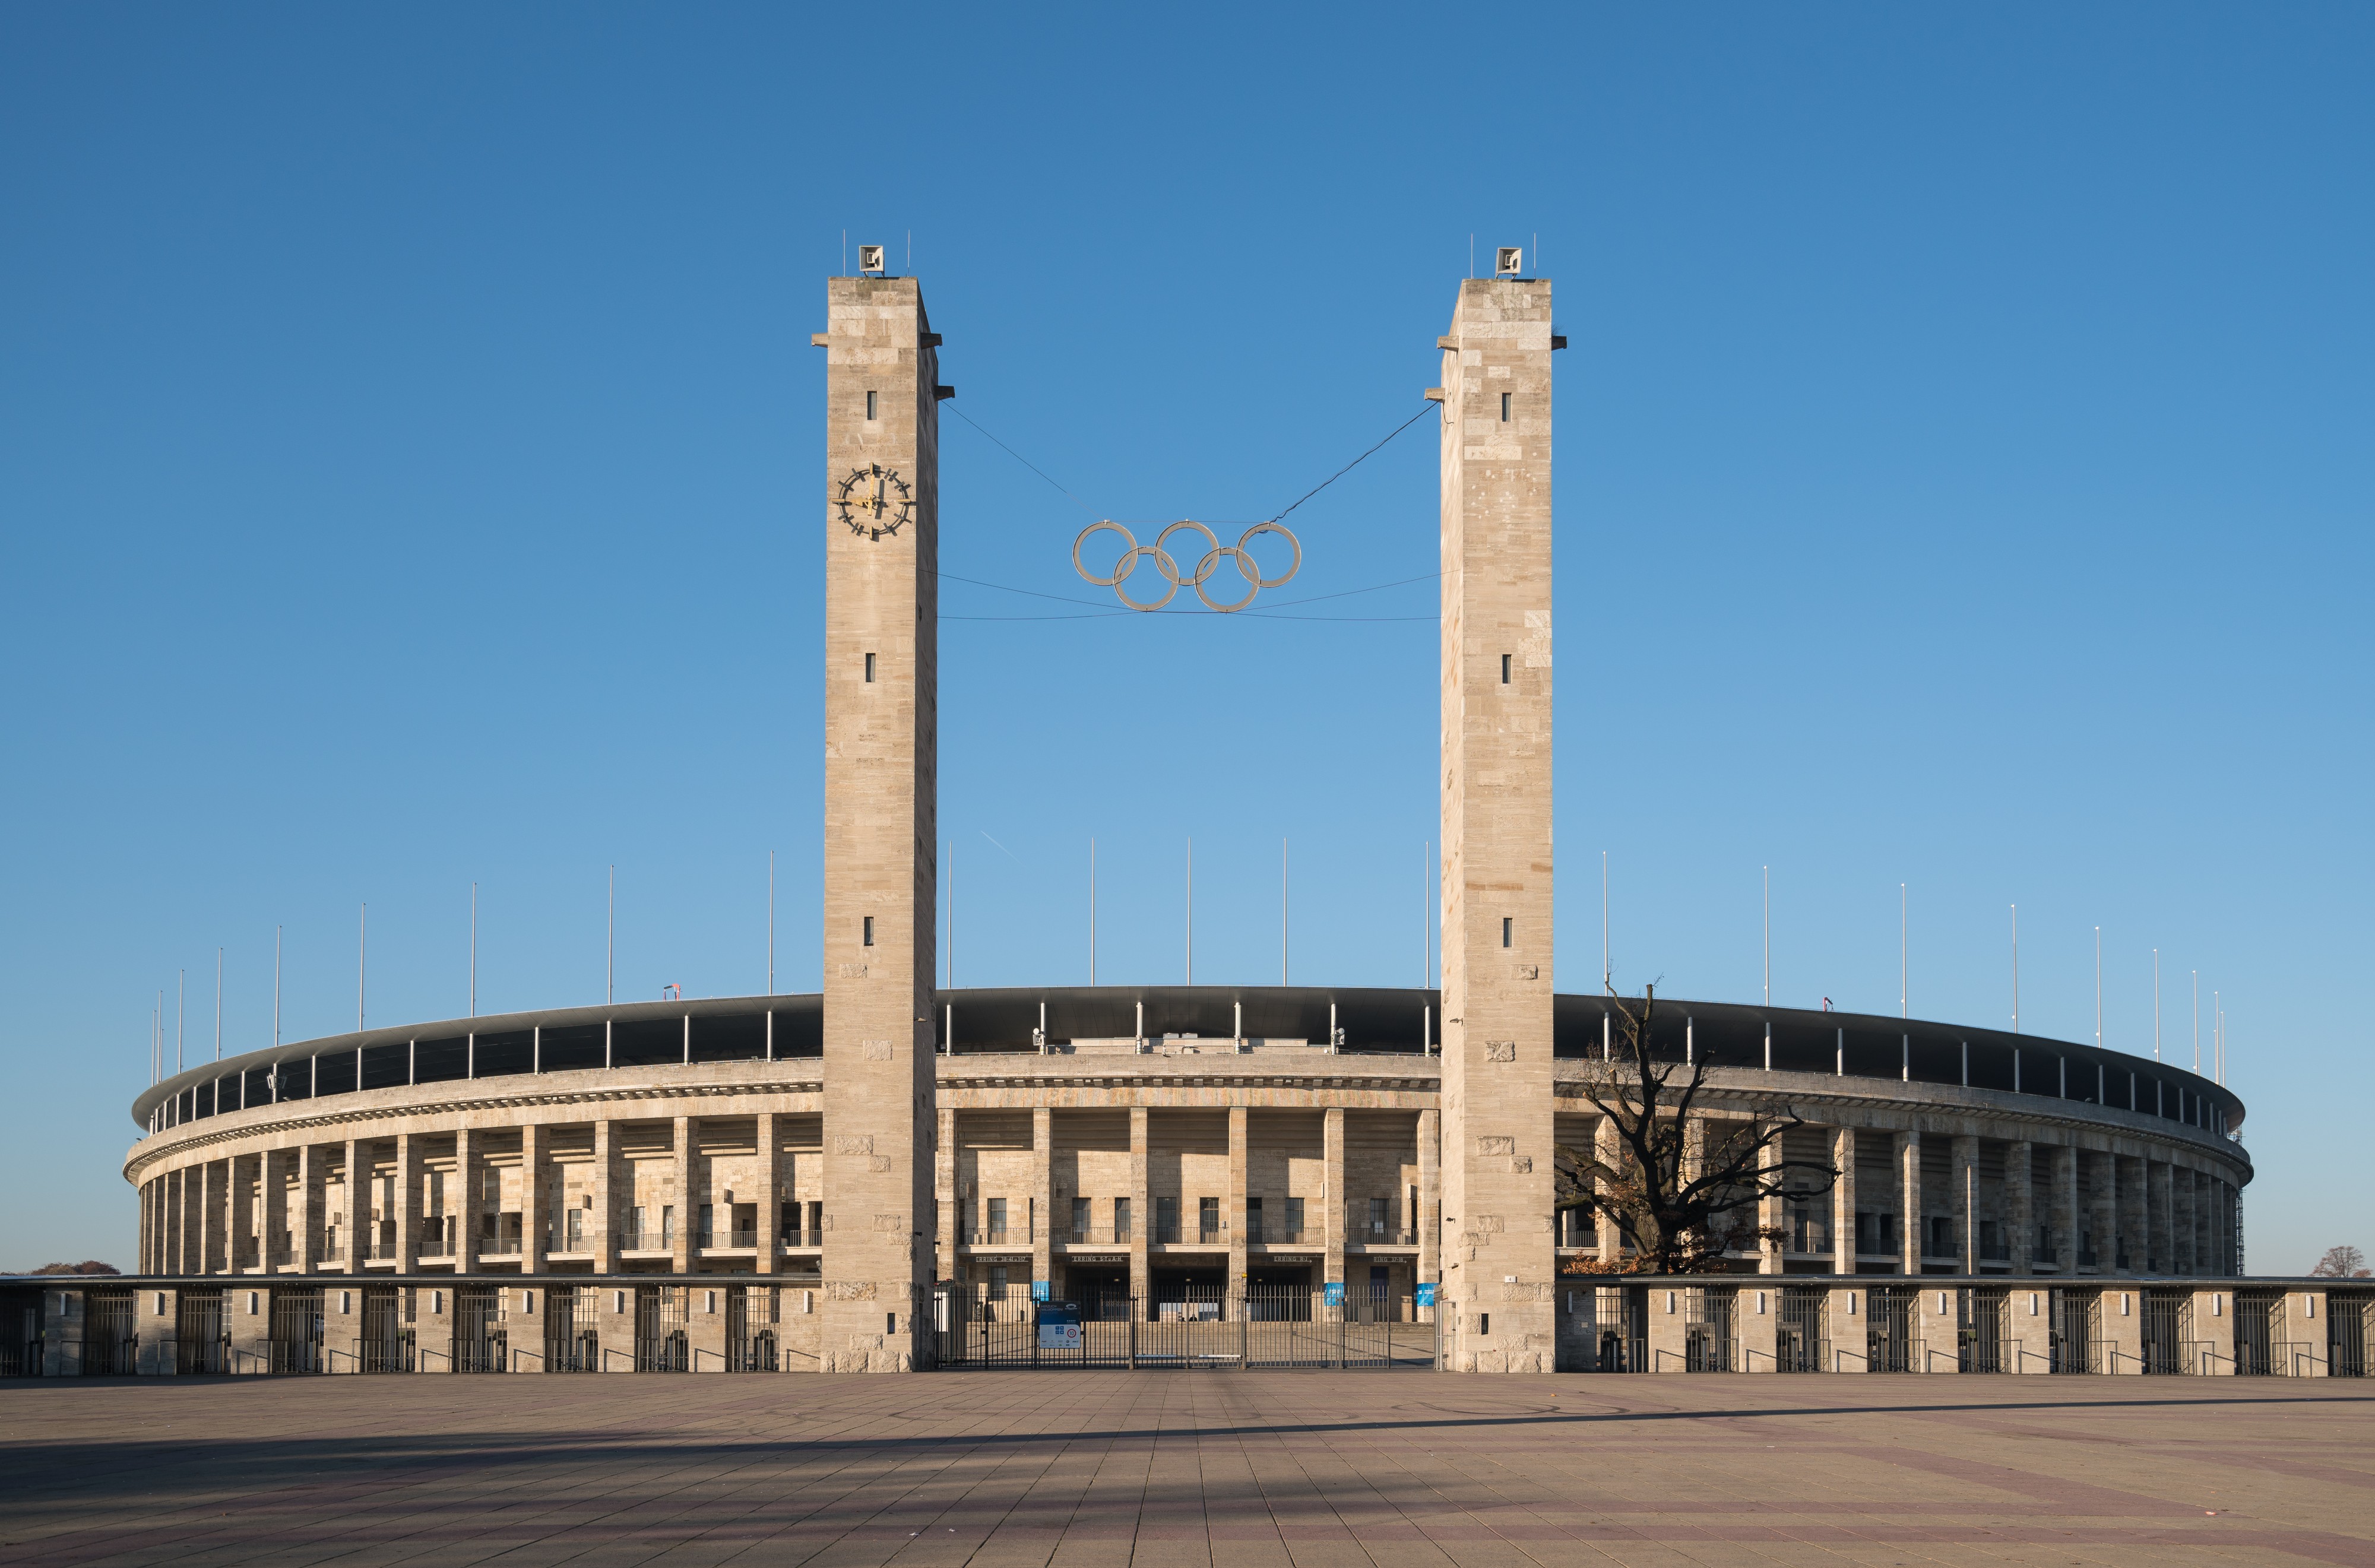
(409, 460)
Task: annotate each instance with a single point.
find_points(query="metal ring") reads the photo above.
(1129, 547)
(1210, 557)
(1162, 563)
(1246, 562)
(1245, 569)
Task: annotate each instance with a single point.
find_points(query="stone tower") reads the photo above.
(880, 520)
(1499, 1259)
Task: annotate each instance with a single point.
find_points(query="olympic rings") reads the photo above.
(1168, 565)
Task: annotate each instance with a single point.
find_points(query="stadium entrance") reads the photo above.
(1189, 1325)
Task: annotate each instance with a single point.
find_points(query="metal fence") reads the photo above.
(1254, 1328)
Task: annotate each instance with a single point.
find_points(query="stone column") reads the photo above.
(1772, 1214)
(681, 1262)
(947, 1224)
(357, 1176)
(1429, 1218)
(770, 1185)
(2066, 1209)
(1907, 1148)
(462, 1206)
(274, 1167)
(408, 1203)
(538, 1190)
(2187, 1244)
(2020, 1212)
(2136, 1211)
(2103, 1209)
(1962, 1201)
(1141, 1214)
(1495, 456)
(1843, 1201)
(605, 1209)
(1334, 1196)
(1233, 1206)
(308, 1227)
(1606, 1146)
(217, 1186)
(1042, 1197)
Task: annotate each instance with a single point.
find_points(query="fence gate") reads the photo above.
(1801, 1342)
(2346, 1334)
(296, 1328)
(660, 1340)
(1616, 1326)
(751, 1328)
(109, 1348)
(481, 1342)
(1190, 1328)
(200, 1345)
(1888, 1328)
(2260, 1347)
(2077, 1326)
(1707, 1342)
(1984, 1337)
(567, 1347)
(2168, 1343)
(386, 1343)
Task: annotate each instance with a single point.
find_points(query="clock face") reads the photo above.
(874, 501)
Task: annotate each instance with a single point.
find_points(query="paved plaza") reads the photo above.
(1202, 1468)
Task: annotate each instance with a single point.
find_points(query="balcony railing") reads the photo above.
(711, 1240)
(499, 1246)
(332, 1252)
(997, 1235)
(1382, 1236)
(1094, 1235)
(793, 1237)
(646, 1241)
(1280, 1235)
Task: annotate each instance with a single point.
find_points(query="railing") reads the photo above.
(384, 1252)
(499, 1246)
(646, 1241)
(1367, 1236)
(1094, 1235)
(997, 1235)
(331, 1252)
(793, 1237)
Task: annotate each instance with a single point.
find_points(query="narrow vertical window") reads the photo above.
(869, 930)
(1505, 407)
(1504, 669)
(1508, 931)
(869, 669)
(869, 405)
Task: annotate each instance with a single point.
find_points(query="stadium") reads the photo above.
(889, 1176)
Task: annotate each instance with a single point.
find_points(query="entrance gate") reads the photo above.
(567, 1347)
(109, 1347)
(297, 1328)
(481, 1343)
(1262, 1327)
(1801, 1343)
(2168, 1344)
(1888, 1328)
(200, 1345)
(1984, 1340)
(661, 1344)
(2078, 1325)
(386, 1343)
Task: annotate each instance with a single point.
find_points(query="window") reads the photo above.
(1380, 1280)
(1508, 932)
(1377, 1219)
(1121, 1219)
(491, 1184)
(1504, 407)
(636, 1219)
(998, 1282)
(577, 1230)
(1504, 669)
(1167, 1219)
(869, 405)
(1253, 1220)
(1294, 1220)
(667, 1224)
(869, 930)
(1081, 1221)
(869, 669)
(707, 1233)
(1483, 1323)
(997, 1218)
(1207, 1218)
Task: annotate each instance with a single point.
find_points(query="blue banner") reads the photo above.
(1038, 1290)
(1335, 1289)
(1425, 1294)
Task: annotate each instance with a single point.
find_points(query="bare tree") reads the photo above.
(2341, 1263)
(1676, 1180)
